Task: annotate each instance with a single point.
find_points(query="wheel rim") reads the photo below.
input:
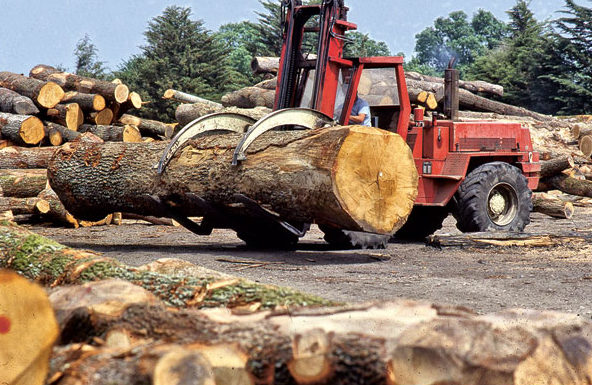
(502, 204)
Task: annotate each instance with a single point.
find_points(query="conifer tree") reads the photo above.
(87, 63)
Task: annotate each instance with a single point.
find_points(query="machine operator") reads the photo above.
(360, 113)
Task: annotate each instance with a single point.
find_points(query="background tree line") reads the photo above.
(545, 66)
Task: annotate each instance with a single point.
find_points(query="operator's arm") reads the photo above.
(357, 119)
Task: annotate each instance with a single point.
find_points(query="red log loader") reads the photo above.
(481, 172)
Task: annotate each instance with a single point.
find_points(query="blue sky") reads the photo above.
(40, 31)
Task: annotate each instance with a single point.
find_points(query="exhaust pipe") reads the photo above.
(451, 103)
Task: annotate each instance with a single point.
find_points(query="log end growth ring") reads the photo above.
(50, 95)
(376, 179)
(121, 93)
(32, 131)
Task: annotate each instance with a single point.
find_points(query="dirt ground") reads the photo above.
(485, 280)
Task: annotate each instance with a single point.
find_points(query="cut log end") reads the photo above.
(168, 94)
(74, 116)
(131, 134)
(183, 367)
(121, 93)
(376, 179)
(104, 117)
(32, 131)
(99, 103)
(50, 95)
(135, 100)
(586, 146)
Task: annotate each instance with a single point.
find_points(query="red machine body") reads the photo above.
(445, 151)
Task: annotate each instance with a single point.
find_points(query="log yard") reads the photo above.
(344, 219)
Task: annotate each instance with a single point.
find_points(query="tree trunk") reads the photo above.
(110, 91)
(88, 102)
(149, 127)
(354, 178)
(101, 118)
(125, 133)
(69, 115)
(398, 342)
(23, 157)
(21, 129)
(262, 64)
(28, 330)
(16, 103)
(22, 183)
(556, 165)
(67, 134)
(566, 184)
(46, 94)
(250, 97)
(31, 205)
(552, 206)
(187, 113)
(188, 98)
(586, 146)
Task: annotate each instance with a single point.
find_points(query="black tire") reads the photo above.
(345, 239)
(494, 196)
(422, 221)
(269, 235)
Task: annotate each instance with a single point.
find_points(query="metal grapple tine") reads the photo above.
(221, 121)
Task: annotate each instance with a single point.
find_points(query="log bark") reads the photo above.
(249, 97)
(355, 178)
(67, 134)
(556, 165)
(502, 239)
(125, 133)
(552, 206)
(398, 342)
(21, 129)
(57, 212)
(186, 113)
(472, 86)
(23, 157)
(188, 98)
(110, 91)
(22, 183)
(567, 184)
(32, 205)
(53, 137)
(45, 93)
(88, 102)
(26, 340)
(149, 127)
(69, 115)
(15, 103)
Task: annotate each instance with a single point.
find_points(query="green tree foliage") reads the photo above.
(455, 36)
(181, 54)
(87, 63)
(270, 28)
(243, 41)
(571, 71)
(361, 45)
(517, 63)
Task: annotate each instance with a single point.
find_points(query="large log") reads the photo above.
(188, 98)
(88, 102)
(250, 97)
(152, 128)
(71, 82)
(28, 330)
(125, 133)
(46, 93)
(69, 115)
(473, 86)
(22, 183)
(21, 129)
(24, 157)
(566, 184)
(397, 342)
(552, 206)
(556, 165)
(186, 113)
(16, 103)
(355, 178)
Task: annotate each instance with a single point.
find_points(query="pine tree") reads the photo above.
(270, 28)
(87, 63)
(361, 45)
(181, 54)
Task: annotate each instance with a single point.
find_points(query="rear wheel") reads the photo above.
(422, 222)
(345, 239)
(494, 196)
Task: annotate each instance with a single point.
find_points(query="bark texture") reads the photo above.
(23, 157)
(21, 129)
(125, 133)
(22, 183)
(556, 165)
(147, 127)
(186, 113)
(354, 178)
(45, 93)
(88, 102)
(15, 103)
(552, 206)
(250, 97)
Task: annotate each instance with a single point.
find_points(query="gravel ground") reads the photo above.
(485, 280)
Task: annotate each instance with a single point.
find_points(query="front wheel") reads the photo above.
(494, 196)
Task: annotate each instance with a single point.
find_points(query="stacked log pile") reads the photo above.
(43, 111)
